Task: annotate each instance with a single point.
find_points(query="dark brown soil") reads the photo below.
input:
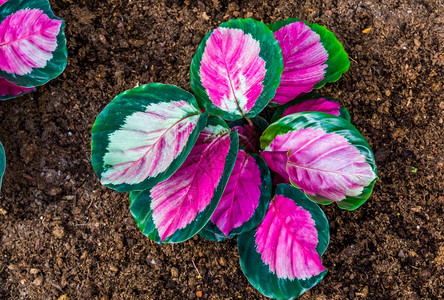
(64, 234)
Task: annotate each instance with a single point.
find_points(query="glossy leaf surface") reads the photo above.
(176, 209)
(282, 256)
(9, 90)
(249, 135)
(311, 102)
(236, 69)
(324, 155)
(312, 57)
(244, 201)
(144, 135)
(32, 43)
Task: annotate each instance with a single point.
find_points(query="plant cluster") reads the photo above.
(208, 164)
(32, 49)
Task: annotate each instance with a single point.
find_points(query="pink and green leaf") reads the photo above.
(9, 90)
(282, 256)
(311, 102)
(143, 136)
(236, 69)
(32, 43)
(323, 155)
(176, 209)
(312, 57)
(244, 201)
(249, 135)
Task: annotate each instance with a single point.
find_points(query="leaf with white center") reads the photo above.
(323, 155)
(9, 90)
(176, 209)
(282, 256)
(143, 136)
(32, 43)
(236, 69)
(244, 201)
(312, 57)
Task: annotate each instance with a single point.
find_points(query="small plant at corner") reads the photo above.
(209, 164)
(32, 49)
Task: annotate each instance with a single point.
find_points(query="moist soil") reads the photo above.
(64, 236)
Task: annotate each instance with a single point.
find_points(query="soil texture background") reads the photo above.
(64, 236)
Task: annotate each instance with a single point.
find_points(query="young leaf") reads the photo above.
(282, 256)
(143, 136)
(177, 208)
(2, 163)
(249, 136)
(312, 57)
(236, 69)
(311, 102)
(322, 154)
(32, 43)
(244, 201)
(9, 90)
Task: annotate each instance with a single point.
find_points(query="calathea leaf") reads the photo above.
(236, 69)
(176, 209)
(9, 90)
(322, 154)
(282, 256)
(32, 43)
(249, 135)
(2, 163)
(244, 201)
(312, 57)
(143, 136)
(311, 102)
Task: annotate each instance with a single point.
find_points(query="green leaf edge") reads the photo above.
(282, 108)
(8, 97)
(212, 233)
(270, 52)
(251, 261)
(327, 122)
(2, 163)
(56, 65)
(157, 93)
(147, 225)
(337, 62)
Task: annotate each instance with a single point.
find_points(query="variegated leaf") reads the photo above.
(244, 201)
(236, 69)
(143, 136)
(311, 102)
(322, 154)
(176, 209)
(249, 133)
(32, 43)
(282, 256)
(9, 90)
(312, 57)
